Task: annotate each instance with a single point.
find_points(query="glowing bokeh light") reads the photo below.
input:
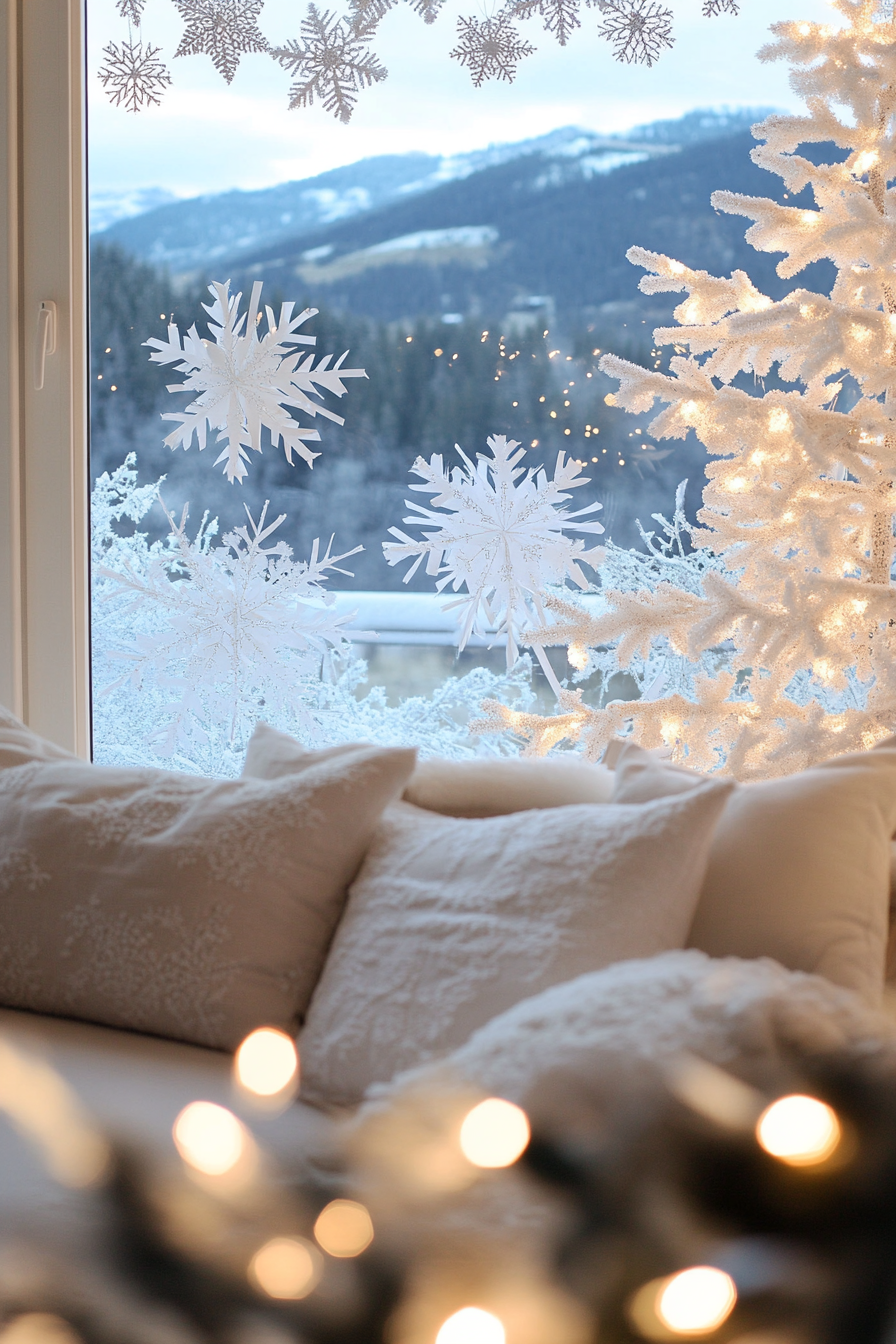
(286, 1268)
(344, 1228)
(471, 1325)
(494, 1133)
(267, 1062)
(209, 1138)
(696, 1301)
(799, 1130)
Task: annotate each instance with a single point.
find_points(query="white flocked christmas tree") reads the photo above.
(773, 644)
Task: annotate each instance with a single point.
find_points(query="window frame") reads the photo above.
(44, 534)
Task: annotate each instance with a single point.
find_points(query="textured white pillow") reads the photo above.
(610, 1033)
(799, 868)
(451, 921)
(489, 787)
(186, 907)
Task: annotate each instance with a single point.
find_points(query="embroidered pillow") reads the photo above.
(452, 920)
(187, 907)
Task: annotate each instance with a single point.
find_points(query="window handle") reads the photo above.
(46, 340)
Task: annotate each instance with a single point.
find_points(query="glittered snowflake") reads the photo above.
(132, 10)
(222, 29)
(561, 17)
(496, 529)
(132, 75)
(638, 29)
(712, 8)
(490, 48)
(369, 13)
(331, 62)
(232, 628)
(246, 382)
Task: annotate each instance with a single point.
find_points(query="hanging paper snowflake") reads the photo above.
(638, 29)
(331, 62)
(237, 625)
(369, 13)
(246, 383)
(222, 29)
(500, 535)
(132, 10)
(561, 17)
(132, 75)
(490, 48)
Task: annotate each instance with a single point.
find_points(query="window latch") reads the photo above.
(46, 340)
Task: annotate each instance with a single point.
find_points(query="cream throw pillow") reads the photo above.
(451, 921)
(490, 787)
(799, 869)
(187, 907)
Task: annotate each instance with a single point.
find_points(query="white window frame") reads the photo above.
(44, 593)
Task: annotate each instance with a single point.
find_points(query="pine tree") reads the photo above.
(785, 615)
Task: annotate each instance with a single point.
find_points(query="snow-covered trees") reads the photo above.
(790, 630)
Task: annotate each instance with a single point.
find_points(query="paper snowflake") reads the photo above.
(490, 48)
(638, 29)
(500, 535)
(331, 62)
(222, 29)
(246, 383)
(561, 17)
(237, 625)
(369, 13)
(132, 75)
(132, 10)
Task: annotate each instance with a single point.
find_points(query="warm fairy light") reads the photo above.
(835, 723)
(696, 1301)
(758, 457)
(823, 670)
(804, 29)
(738, 483)
(859, 605)
(286, 1268)
(209, 1138)
(801, 1131)
(810, 216)
(676, 268)
(38, 1327)
(471, 1325)
(860, 333)
(779, 421)
(267, 1062)
(576, 654)
(806, 310)
(691, 311)
(344, 1228)
(494, 1133)
(865, 161)
(689, 408)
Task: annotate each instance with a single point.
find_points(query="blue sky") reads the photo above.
(207, 138)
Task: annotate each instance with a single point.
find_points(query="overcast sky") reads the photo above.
(206, 137)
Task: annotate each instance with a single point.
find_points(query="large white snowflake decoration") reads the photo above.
(561, 17)
(246, 383)
(222, 29)
(500, 535)
(237, 625)
(331, 62)
(490, 48)
(132, 75)
(638, 29)
(367, 13)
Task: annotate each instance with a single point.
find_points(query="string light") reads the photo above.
(209, 1138)
(472, 1325)
(494, 1133)
(267, 1062)
(286, 1268)
(344, 1228)
(799, 1130)
(697, 1301)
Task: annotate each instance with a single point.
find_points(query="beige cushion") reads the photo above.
(188, 907)
(494, 787)
(490, 787)
(800, 866)
(451, 921)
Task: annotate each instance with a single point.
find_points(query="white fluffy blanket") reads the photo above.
(611, 1031)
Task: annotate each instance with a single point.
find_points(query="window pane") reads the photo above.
(466, 246)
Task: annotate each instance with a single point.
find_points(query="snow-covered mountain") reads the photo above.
(183, 235)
